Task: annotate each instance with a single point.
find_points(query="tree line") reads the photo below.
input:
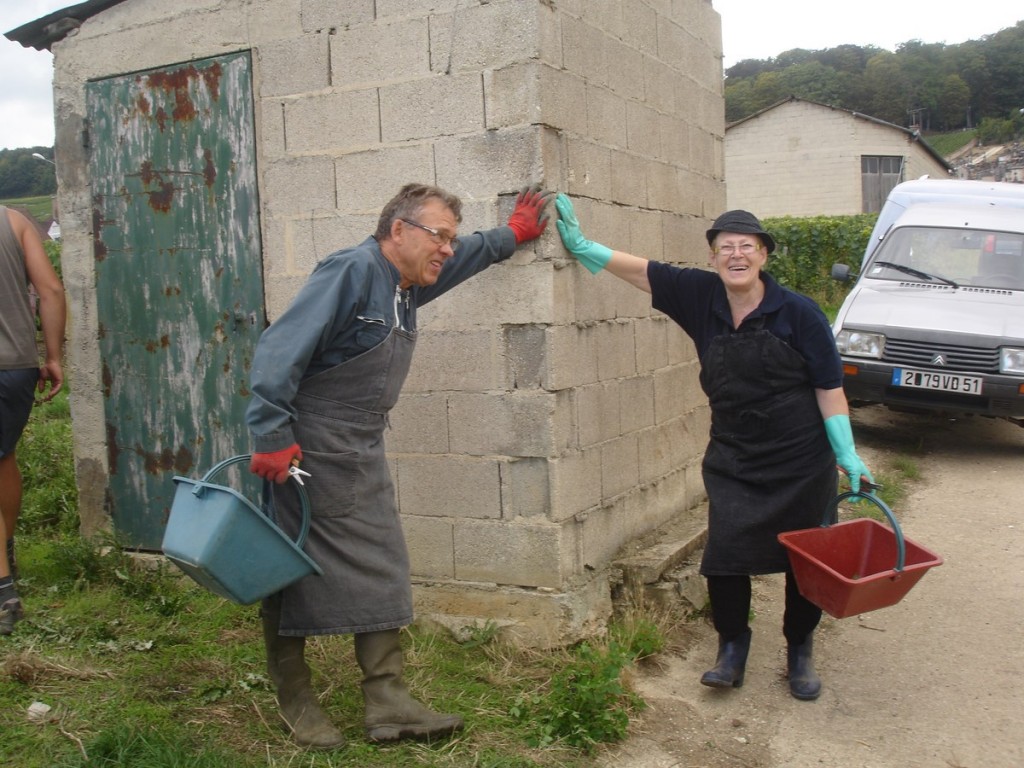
(978, 84)
(22, 175)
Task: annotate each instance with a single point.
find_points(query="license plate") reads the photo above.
(944, 382)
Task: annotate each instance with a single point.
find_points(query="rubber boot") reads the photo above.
(804, 682)
(731, 663)
(11, 611)
(391, 711)
(286, 665)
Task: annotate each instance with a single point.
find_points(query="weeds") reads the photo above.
(141, 667)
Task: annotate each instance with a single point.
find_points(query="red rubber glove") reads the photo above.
(274, 466)
(528, 219)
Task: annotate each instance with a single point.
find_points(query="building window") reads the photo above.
(878, 175)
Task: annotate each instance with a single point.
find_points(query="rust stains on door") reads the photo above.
(179, 284)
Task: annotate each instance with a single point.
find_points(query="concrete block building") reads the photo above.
(802, 158)
(210, 152)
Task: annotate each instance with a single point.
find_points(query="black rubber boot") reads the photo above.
(731, 663)
(391, 711)
(286, 665)
(804, 682)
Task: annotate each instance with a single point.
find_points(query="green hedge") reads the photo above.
(806, 249)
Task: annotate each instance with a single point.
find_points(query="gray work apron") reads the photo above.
(768, 467)
(355, 532)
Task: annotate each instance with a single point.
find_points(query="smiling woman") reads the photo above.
(772, 375)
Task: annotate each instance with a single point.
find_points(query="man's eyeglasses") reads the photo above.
(438, 237)
(746, 249)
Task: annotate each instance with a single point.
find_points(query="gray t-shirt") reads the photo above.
(17, 323)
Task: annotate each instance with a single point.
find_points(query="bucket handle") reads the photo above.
(832, 511)
(303, 498)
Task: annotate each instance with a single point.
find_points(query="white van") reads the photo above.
(935, 321)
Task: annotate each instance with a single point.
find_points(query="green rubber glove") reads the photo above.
(840, 435)
(591, 255)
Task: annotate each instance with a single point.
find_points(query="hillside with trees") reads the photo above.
(22, 175)
(978, 84)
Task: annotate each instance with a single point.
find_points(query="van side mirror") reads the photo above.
(841, 272)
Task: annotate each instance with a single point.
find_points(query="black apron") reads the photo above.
(768, 467)
(356, 533)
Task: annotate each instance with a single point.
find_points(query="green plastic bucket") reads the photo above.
(227, 545)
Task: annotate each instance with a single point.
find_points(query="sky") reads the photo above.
(751, 29)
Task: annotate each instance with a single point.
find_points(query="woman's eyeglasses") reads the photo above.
(746, 249)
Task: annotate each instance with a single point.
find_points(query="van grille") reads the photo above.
(923, 354)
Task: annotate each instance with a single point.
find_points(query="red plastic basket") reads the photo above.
(856, 566)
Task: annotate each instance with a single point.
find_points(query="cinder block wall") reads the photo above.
(550, 416)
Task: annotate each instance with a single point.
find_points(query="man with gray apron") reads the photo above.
(325, 374)
(779, 422)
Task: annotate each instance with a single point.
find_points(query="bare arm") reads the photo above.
(52, 305)
(632, 269)
(832, 402)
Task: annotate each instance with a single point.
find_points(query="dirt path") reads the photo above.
(934, 681)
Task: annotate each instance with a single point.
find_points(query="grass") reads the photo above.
(127, 665)
(41, 207)
(946, 144)
(119, 664)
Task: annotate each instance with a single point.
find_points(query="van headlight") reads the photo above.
(860, 344)
(1011, 360)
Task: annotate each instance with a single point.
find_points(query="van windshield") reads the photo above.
(953, 256)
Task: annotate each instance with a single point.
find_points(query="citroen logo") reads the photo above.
(939, 360)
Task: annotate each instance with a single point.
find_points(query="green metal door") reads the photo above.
(179, 285)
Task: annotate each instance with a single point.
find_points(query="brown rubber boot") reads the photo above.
(286, 665)
(391, 711)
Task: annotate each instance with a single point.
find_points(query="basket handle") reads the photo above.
(832, 512)
(300, 540)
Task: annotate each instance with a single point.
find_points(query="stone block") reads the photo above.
(524, 554)
(485, 164)
(583, 50)
(340, 120)
(651, 338)
(448, 486)
(620, 465)
(368, 53)
(368, 180)
(442, 105)
(431, 545)
(506, 294)
(419, 424)
(637, 396)
(589, 172)
(606, 117)
(298, 186)
(598, 416)
(334, 232)
(616, 351)
(516, 424)
(538, 618)
(525, 488)
(293, 65)
(629, 179)
(571, 357)
(575, 483)
(468, 361)
(483, 36)
(329, 14)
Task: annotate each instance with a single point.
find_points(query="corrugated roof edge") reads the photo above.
(52, 28)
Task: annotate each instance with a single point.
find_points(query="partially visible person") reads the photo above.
(23, 263)
(779, 422)
(325, 374)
